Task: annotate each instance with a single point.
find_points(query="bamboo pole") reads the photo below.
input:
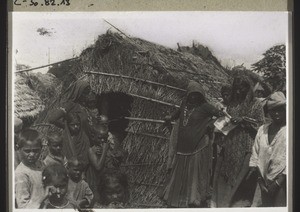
(30, 69)
(140, 164)
(43, 125)
(146, 120)
(148, 134)
(136, 79)
(154, 100)
(146, 184)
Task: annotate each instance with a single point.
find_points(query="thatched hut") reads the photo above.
(27, 103)
(143, 82)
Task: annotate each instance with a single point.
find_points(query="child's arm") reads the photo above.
(88, 197)
(56, 114)
(96, 161)
(22, 191)
(23, 195)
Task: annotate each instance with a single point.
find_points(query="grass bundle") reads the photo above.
(27, 102)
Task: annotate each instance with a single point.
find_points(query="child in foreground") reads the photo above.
(55, 180)
(55, 144)
(78, 190)
(29, 191)
(113, 190)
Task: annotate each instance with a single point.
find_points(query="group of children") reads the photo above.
(58, 182)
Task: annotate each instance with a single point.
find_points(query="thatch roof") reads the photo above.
(46, 85)
(156, 78)
(141, 59)
(27, 102)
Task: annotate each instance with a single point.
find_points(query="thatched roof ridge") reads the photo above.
(27, 102)
(114, 53)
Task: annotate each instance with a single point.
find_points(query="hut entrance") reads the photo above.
(115, 105)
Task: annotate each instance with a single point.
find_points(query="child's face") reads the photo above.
(30, 152)
(75, 172)
(74, 127)
(115, 192)
(102, 137)
(55, 146)
(225, 96)
(58, 190)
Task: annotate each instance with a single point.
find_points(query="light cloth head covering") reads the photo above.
(276, 99)
(258, 87)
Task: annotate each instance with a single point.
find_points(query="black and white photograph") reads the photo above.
(150, 110)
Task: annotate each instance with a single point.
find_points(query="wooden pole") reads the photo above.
(30, 69)
(148, 134)
(146, 120)
(136, 79)
(154, 100)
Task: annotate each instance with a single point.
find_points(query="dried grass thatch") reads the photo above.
(27, 102)
(46, 85)
(142, 70)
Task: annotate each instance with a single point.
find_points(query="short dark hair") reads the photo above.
(106, 178)
(29, 135)
(54, 171)
(75, 162)
(52, 136)
(72, 116)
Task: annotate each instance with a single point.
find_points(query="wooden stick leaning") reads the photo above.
(135, 79)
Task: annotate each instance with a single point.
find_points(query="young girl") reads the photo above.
(188, 184)
(76, 143)
(113, 190)
(29, 192)
(97, 157)
(268, 157)
(78, 190)
(55, 177)
(55, 156)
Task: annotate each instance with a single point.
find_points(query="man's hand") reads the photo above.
(272, 188)
(262, 185)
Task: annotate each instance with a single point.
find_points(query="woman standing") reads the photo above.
(75, 103)
(188, 184)
(230, 187)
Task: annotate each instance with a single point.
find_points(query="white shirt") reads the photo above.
(269, 158)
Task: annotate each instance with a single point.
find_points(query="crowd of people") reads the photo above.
(82, 167)
(206, 168)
